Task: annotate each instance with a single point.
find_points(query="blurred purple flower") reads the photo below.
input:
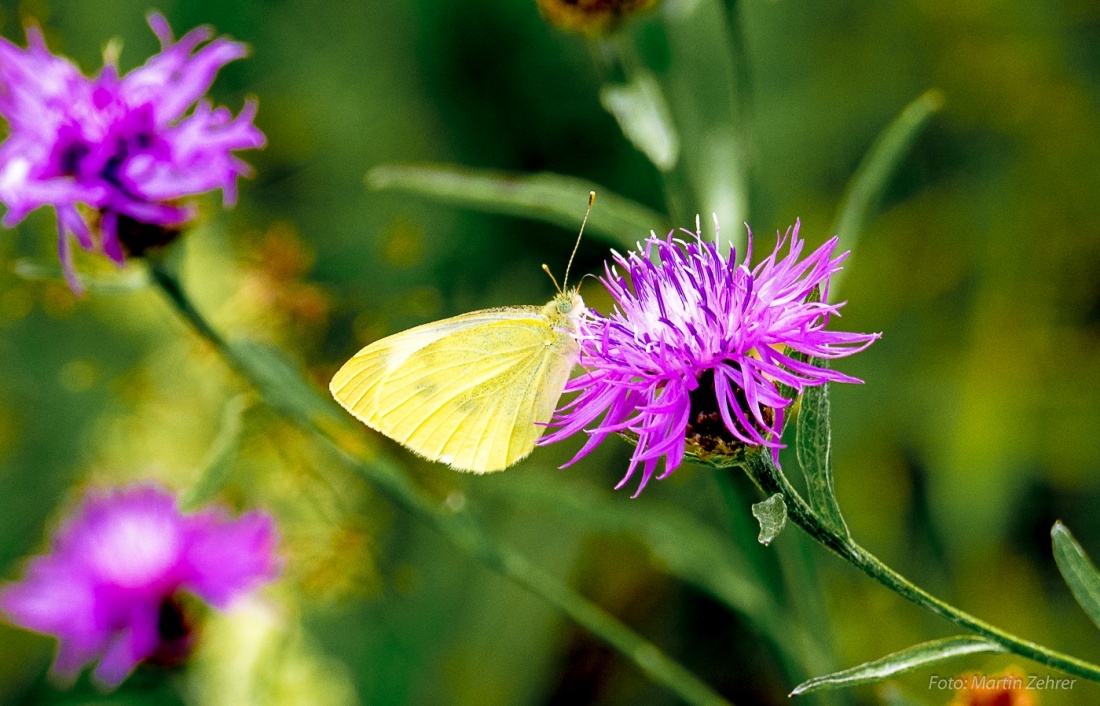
(126, 147)
(696, 347)
(111, 585)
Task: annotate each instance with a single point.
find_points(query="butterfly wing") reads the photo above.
(470, 391)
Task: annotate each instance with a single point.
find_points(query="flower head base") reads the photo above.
(592, 17)
(112, 584)
(699, 348)
(128, 148)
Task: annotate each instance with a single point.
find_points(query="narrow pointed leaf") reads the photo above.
(543, 196)
(643, 115)
(866, 187)
(1078, 570)
(772, 516)
(220, 457)
(813, 446)
(908, 660)
(282, 383)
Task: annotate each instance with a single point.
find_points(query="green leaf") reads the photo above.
(865, 189)
(908, 660)
(220, 457)
(543, 196)
(281, 381)
(643, 115)
(772, 516)
(1078, 571)
(813, 444)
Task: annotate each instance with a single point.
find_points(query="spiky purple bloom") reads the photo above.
(698, 343)
(126, 147)
(110, 586)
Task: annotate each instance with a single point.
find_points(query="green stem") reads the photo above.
(708, 109)
(742, 99)
(770, 479)
(457, 526)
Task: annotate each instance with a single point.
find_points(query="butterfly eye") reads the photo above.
(565, 306)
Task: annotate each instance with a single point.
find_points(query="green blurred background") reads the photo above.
(977, 428)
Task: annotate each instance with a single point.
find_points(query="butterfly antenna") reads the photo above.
(591, 200)
(587, 274)
(546, 269)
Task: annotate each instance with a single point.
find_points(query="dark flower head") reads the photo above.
(697, 351)
(113, 586)
(129, 148)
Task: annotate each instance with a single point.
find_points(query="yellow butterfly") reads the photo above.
(472, 391)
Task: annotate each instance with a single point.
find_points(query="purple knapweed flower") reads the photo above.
(127, 148)
(111, 585)
(695, 351)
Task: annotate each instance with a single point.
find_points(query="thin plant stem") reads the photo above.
(455, 525)
(742, 98)
(770, 480)
(709, 109)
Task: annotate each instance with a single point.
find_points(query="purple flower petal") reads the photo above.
(228, 558)
(136, 641)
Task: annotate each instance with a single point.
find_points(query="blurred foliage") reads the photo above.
(978, 426)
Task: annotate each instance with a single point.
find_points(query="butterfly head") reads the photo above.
(566, 309)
